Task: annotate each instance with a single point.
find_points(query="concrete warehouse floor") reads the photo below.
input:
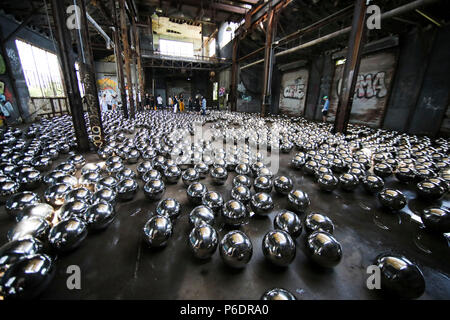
(117, 264)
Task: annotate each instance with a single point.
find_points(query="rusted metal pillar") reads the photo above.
(268, 62)
(87, 73)
(119, 60)
(140, 71)
(351, 68)
(127, 56)
(67, 62)
(234, 74)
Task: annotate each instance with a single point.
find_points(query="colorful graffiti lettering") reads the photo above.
(369, 86)
(296, 90)
(242, 93)
(2, 65)
(109, 87)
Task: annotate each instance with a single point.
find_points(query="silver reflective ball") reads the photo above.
(201, 215)
(67, 235)
(127, 189)
(241, 193)
(318, 222)
(151, 174)
(90, 180)
(16, 250)
(234, 213)
(67, 179)
(172, 174)
(107, 182)
(279, 248)
(7, 189)
(154, 189)
(298, 201)
(50, 177)
(105, 195)
(278, 294)
(213, 200)
(27, 278)
(82, 194)
(56, 194)
(30, 180)
(143, 167)
(35, 227)
(283, 185)
(157, 231)
(236, 249)
(195, 192)
(20, 201)
(202, 168)
(99, 216)
(219, 175)
(75, 208)
(169, 207)
(241, 180)
(41, 210)
(190, 176)
(262, 203)
(323, 249)
(288, 221)
(125, 173)
(263, 184)
(203, 241)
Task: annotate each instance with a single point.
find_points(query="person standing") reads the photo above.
(152, 102)
(325, 108)
(170, 102)
(181, 103)
(203, 106)
(147, 102)
(190, 104)
(104, 103)
(159, 102)
(175, 104)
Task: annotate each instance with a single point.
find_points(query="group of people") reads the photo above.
(176, 103)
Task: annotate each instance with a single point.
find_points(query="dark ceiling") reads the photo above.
(298, 14)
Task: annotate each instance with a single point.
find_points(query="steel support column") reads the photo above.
(140, 71)
(351, 68)
(89, 80)
(127, 56)
(268, 62)
(119, 60)
(234, 74)
(67, 62)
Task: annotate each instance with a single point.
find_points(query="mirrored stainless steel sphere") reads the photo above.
(56, 194)
(328, 182)
(392, 199)
(241, 193)
(236, 249)
(105, 195)
(169, 207)
(373, 183)
(219, 175)
(318, 222)
(234, 213)
(30, 180)
(99, 216)
(263, 184)
(405, 174)
(143, 167)
(400, 277)
(28, 278)
(213, 200)
(190, 176)
(154, 189)
(298, 201)
(288, 221)
(279, 248)
(203, 241)
(13, 251)
(152, 174)
(41, 210)
(430, 191)
(262, 203)
(35, 227)
(201, 215)
(107, 182)
(283, 185)
(67, 234)
(157, 231)
(202, 168)
(436, 219)
(278, 294)
(195, 192)
(172, 174)
(7, 189)
(242, 169)
(20, 201)
(348, 181)
(82, 194)
(323, 249)
(127, 189)
(89, 180)
(241, 180)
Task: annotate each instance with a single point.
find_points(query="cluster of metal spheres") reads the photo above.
(80, 197)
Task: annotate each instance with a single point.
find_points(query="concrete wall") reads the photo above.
(250, 86)
(294, 86)
(371, 92)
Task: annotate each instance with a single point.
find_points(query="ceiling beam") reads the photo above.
(229, 8)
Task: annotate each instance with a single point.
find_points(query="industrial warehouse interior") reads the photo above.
(224, 150)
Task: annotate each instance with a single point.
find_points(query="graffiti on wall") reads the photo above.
(369, 85)
(295, 90)
(109, 87)
(371, 89)
(2, 65)
(242, 93)
(16, 66)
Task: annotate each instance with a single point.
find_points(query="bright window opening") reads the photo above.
(212, 47)
(341, 61)
(228, 33)
(41, 70)
(176, 48)
(215, 90)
